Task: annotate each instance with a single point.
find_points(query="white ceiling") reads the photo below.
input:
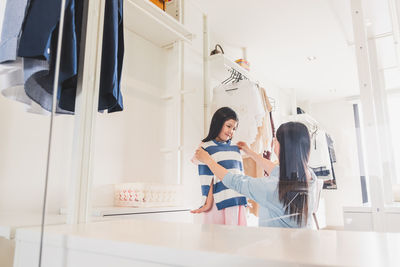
(280, 35)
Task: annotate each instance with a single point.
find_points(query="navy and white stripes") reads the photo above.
(229, 157)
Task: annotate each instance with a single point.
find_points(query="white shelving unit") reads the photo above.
(150, 22)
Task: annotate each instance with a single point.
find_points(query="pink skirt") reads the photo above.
(235, 215)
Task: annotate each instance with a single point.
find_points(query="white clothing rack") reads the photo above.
(220, 64)
(304, 117)
(312, 124)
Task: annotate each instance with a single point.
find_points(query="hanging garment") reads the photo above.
(12, 23)
(110, 97)
(39, 44)
(11, 74)
(243, 97)
(300, 110)
(112, 58)
(11, 67)
(319, 156)
(229, 157)
(322, 172)
(331, 184)
(332, 154)
(264, 132)
(268, 153)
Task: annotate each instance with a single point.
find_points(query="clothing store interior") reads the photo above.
(199, 133)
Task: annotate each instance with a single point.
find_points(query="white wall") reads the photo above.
(23, 158)
(128, 143)
(337, 119)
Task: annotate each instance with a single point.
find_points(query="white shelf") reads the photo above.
(115, 211)
(10, 221)
(220, 64)
(366, 208)
(150, 22)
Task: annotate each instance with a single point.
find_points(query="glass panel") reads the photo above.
(25, 103)
(394, 109)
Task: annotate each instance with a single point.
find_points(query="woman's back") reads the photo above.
(265, 192)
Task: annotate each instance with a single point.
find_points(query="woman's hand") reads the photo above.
(194, 160)
(202, 155)
(243, 146)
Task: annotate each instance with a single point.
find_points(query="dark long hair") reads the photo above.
(294, 141)
(219, 118)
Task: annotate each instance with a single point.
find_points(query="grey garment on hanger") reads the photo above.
(11, 74)
(12, 23)
(11, 69)
(12, 86)
(34, 70)
(332, 153)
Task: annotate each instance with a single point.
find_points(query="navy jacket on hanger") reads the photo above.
(39, 41)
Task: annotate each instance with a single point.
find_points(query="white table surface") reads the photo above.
(178, 243)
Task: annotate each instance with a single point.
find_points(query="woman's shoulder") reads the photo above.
(275, 172)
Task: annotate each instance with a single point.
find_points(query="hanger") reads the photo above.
(229, 78)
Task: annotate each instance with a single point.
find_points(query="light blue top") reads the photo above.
(12, 23)
(264, 191)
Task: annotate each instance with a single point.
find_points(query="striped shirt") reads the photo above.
(228, 156)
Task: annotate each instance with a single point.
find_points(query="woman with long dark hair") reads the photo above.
(286, 196)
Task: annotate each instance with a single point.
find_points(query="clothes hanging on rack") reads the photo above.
(322, 157)
(322, 153)
(37, 44)
(112, 58)
(264, 132)
(319, 153)
(11, 67)
(332, 153)
(243, 97)
(12, 23)
(331, 184)
(268, 152)
(38, 47)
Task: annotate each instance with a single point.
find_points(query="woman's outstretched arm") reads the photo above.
(266, 164)
(217, 169)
